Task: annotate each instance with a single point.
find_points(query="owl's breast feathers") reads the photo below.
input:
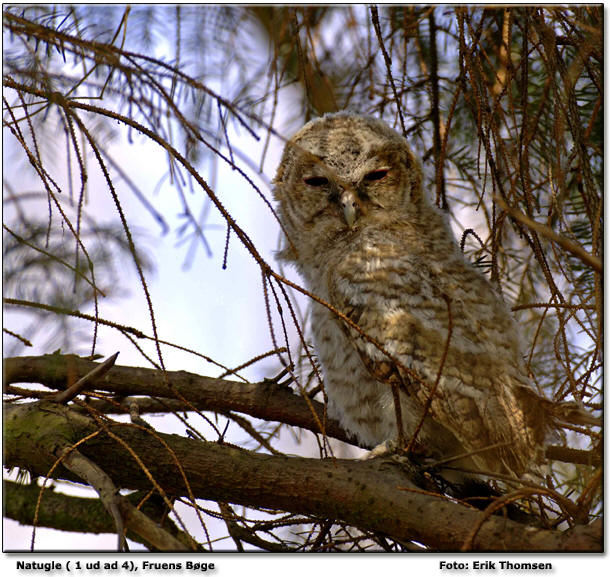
(434, 327)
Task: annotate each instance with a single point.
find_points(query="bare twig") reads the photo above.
(89, 379)
(125, 515)
(578, 251)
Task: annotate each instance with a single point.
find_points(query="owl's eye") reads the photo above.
(376, 174)
(316, 181)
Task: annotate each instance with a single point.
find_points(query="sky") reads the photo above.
(198, 304)
(217, 312)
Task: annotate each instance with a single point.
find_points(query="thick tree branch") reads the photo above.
(266, 400)
(374, 495)
(79, 514)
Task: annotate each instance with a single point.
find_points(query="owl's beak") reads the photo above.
(349, 204)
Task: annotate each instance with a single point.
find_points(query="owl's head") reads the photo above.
(343, 172)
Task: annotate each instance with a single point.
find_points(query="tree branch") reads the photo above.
(374, 495)
(99, 371)
(101, 482)
(80, 514)
(123, 513)
(575, 249)
(266, 400)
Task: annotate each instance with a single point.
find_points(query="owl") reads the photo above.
(408, 320)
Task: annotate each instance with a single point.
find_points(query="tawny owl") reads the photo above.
(367, 241)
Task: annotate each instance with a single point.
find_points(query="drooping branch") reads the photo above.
(374, 495)
(123, 513)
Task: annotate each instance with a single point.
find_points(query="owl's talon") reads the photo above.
(385, 449)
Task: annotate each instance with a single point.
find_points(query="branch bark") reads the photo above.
(267, 400)
(81, 514)
(374, 495)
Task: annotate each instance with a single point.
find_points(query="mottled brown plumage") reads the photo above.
(367, 241)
